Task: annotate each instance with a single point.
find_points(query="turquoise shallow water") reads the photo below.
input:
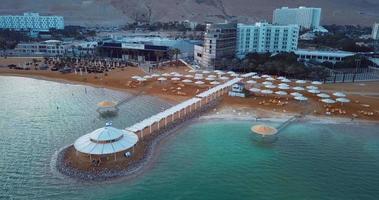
(207, 160)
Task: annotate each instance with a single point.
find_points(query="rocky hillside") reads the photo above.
(108, 12)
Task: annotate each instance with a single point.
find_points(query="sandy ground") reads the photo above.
(364, 96)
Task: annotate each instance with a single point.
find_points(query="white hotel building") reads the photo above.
(266, 38)
(308, 18)
(375, 31)
(31, 21)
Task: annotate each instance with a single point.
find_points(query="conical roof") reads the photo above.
(106, 140)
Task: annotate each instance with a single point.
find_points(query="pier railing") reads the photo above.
(181, 111)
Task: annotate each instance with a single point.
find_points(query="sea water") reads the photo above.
(205, 160)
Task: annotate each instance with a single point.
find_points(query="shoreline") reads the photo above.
(250, 114)
(170, 99)
(82, 83)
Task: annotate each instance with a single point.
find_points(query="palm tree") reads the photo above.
(171, 54)
(176, 52)
(159, 55)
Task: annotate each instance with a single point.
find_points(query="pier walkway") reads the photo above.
(127, 99)
(181, 111)
(287, 122)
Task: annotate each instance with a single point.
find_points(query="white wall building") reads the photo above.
(46, 48)
(308, 18)
(31, 21)
(264, 37)
(375, 31)
(322, 56)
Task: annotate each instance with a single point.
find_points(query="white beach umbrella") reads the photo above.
(162, 79)
(224, 78)
(192, 71)
(166, 74)
(281, 93)
(301, 81)
(188, 76)
(283, 87)
(301, 98)
(328, 101)
(316, 83)
(220, 73)
(212, 76)
(155, 75)
(178, 75)
(175, 79)
(214, 83)
(256, 77)
(270, 79)
(147, 77)
(206, 72)
(339, 94)
(323, 95)
(267, 83)
(281, 78)
(198, 78)
(270, 86)
(141, 79)
(266, 91)
(251, 82)
(210, 79)
(217, 71)
(173, 73)
(314, 91)
(136, 77)
(283, 84)
(199, 82)
(285, 81)
(295, 94)
(343, 100)
(234, 75)
(230, 72)
(311, 87)
(255, 90)
(198, 74)
(298, 88)
(187, 81)
(265, 76)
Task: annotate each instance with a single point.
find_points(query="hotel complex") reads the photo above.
(31, 21)
(223, 41)
(266, 38)
(308, 18)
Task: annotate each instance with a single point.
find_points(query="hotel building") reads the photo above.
(307, 18)
(219, 42)
(46, 48)
(266, 38)
(375, 31)
(32, 22)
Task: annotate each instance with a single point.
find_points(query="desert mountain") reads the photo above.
(111, 12)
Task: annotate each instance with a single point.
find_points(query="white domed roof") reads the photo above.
(106, 134)
(106, 140)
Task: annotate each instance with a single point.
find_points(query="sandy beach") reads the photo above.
(364, 96)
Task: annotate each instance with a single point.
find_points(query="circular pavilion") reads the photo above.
(264, 130)
(107, 108)
(107, 143)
